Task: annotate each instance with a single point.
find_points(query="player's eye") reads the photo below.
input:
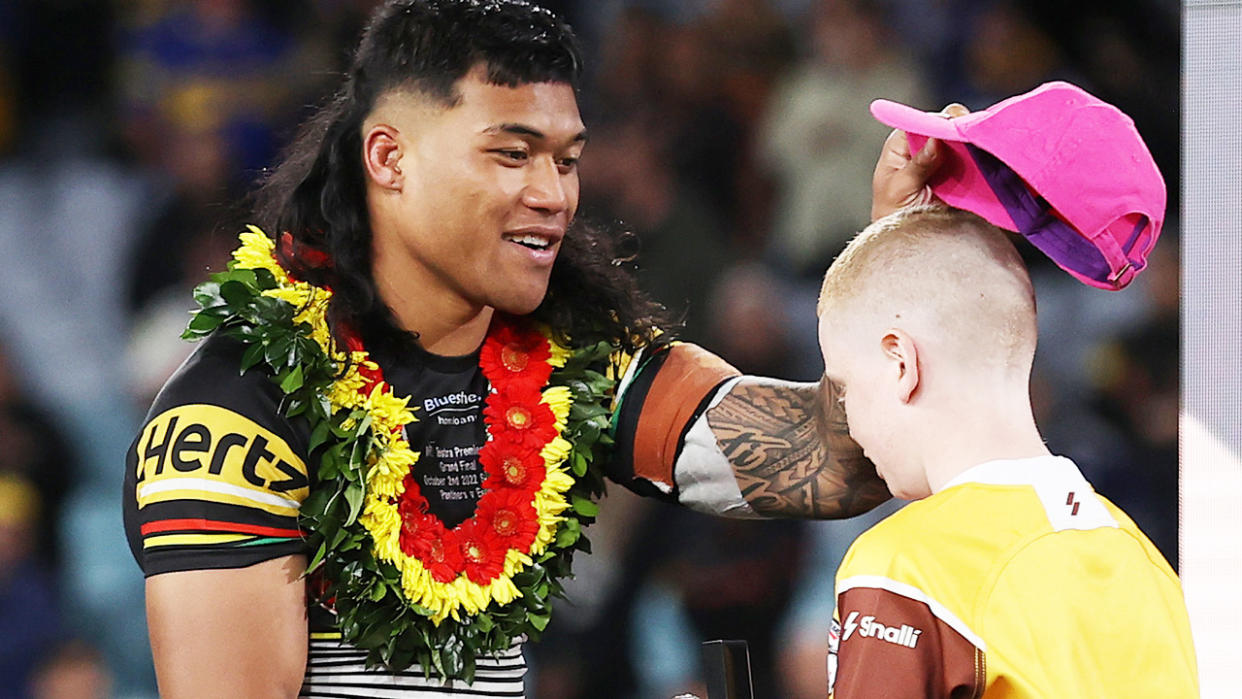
(514, 155)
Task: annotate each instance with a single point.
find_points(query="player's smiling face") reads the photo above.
(487, 189)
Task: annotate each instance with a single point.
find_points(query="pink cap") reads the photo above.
(1065, 169)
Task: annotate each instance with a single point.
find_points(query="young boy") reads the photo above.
(1009, 576)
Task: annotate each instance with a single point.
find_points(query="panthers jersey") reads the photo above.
(1014, 580)
(216, 477)
(217, 474)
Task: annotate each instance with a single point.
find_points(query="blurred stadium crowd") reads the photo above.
(732, 136)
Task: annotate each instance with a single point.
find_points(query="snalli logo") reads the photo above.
(868, 627)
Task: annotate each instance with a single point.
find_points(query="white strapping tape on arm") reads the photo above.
(704, 475)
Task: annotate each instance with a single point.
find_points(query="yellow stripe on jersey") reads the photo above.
(205, 452)
(192, 539)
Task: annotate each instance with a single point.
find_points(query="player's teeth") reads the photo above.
(531, 240)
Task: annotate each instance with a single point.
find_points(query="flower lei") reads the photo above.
(404, 587)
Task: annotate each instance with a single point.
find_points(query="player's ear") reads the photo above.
(382, 156)
(903, 357)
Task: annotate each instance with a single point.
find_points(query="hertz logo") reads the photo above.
(205, 452)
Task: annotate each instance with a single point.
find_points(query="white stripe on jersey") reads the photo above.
(337, 671)
(939, 610)
(168, 484)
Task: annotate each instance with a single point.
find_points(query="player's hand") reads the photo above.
(900, 178)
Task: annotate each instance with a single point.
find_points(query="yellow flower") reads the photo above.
(556, 451)
(560, 353)
(388, 413)
(559, 399)
(256, 252)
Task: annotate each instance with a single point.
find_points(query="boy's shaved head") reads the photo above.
(944, 273)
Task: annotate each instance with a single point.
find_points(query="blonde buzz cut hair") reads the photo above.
(958, 273)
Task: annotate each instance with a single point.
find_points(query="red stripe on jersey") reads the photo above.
(169, 525)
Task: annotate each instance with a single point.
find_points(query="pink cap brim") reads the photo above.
(911, 120)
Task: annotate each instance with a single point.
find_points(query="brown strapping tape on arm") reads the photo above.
(684, 380)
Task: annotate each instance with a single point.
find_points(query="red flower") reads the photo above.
(511, 465)
(519, 417)
(417, 526)
(441, 553)
(412, 500)
(482, 552)
(424, 537)
(515, 358)
(509, 516)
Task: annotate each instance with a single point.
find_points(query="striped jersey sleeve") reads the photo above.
(216, 475)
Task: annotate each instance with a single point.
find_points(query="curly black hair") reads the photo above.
(317, 193)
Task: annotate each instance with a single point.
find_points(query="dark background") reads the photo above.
(731, 135)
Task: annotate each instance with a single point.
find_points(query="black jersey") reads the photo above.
(216, 476)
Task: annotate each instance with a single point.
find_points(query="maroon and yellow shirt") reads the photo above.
(1015, 580)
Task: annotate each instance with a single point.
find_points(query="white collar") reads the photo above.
(1030, 471)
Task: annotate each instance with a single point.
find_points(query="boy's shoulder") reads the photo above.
(965, 530)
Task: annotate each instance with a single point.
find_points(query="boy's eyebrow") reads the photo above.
(530, 131)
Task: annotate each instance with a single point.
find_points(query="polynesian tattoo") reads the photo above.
(791, 450)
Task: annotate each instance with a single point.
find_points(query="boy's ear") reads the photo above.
(903, 355)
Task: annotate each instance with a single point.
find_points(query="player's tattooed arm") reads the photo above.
(791, 450)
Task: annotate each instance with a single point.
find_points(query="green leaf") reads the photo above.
(401, 659)
(353, 495)
(540, 621)
(252, 356)
(293, 381)
(318, 436)
(338, 536)
(376, 635)
(437, 661)
(585, 507)
(202, 323)
(378, 591)
(330, 463)
(589, 433)
(264, 279)
(579, 463)
(208, 294)
(568, 533)
(317, 558)
(236, 293)
(357, 459)
(484, 622)
(248, 277)
(276, 350)
(363, 425)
